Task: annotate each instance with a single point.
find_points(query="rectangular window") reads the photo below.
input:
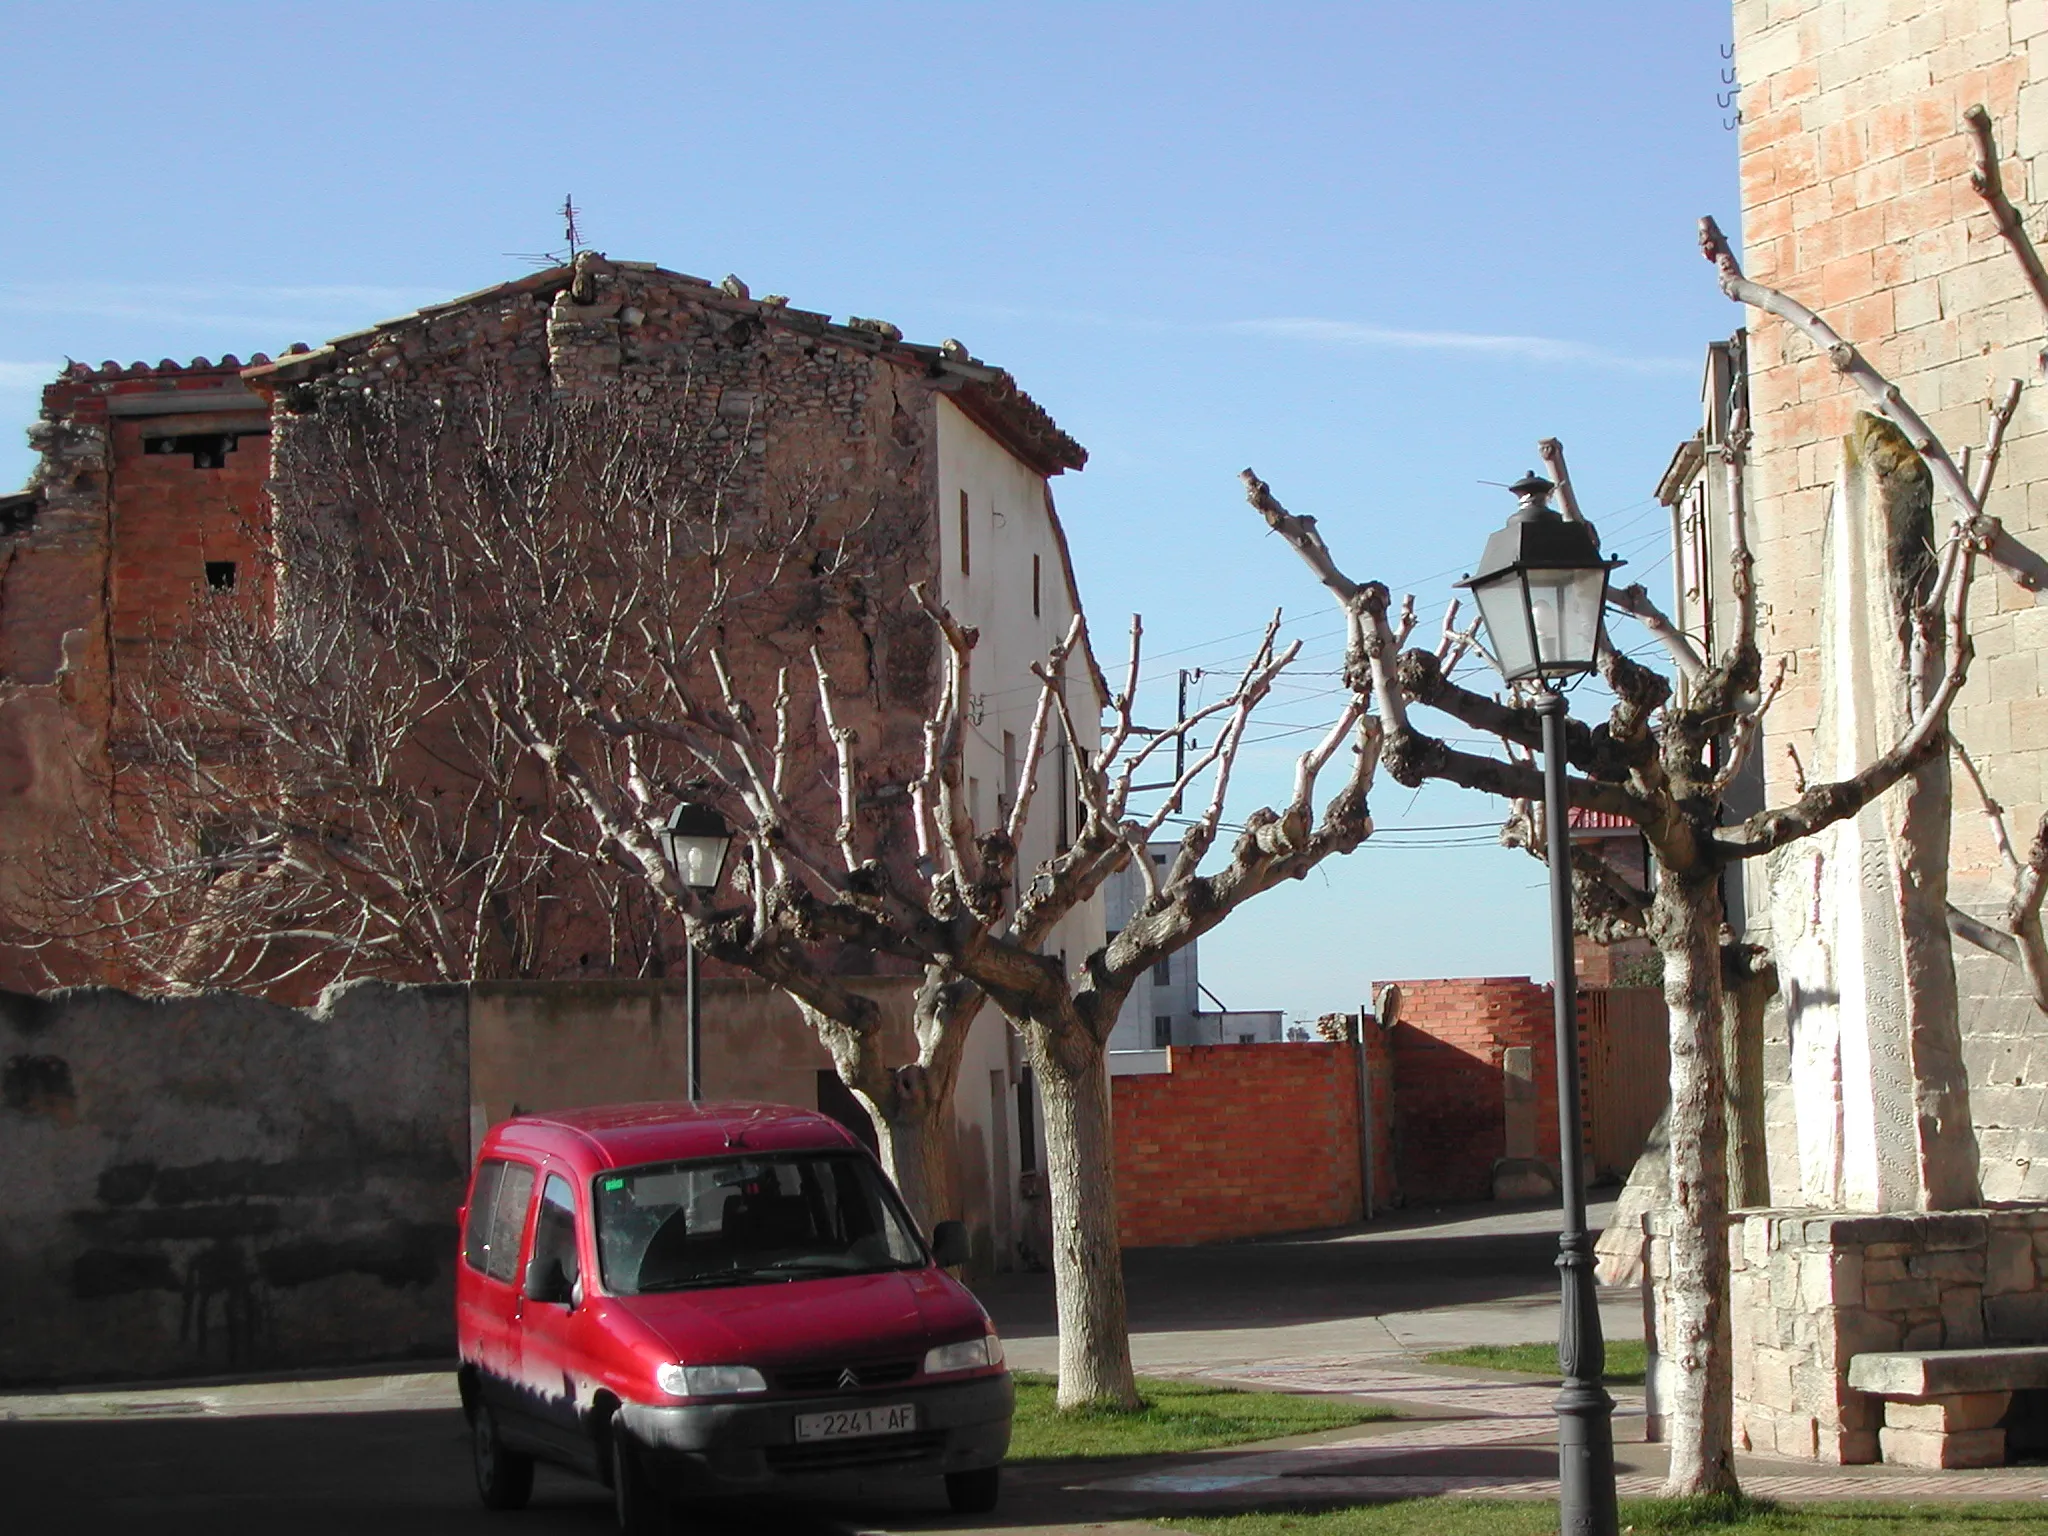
(1010, 784)
(1162, 973)
(1027, 1125)
(1034, 586)
(554, 1231)
(965, 554)
(508, 1222)
(483, 1202)
(220, 575)
(974, 802)
(1063, 832)
(1162, 1031)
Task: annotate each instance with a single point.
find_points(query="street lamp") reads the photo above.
(696, 841)
(1541, 589)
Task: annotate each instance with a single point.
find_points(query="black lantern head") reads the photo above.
(1541, 587)
(697, 839)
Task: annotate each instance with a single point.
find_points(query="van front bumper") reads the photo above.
(712, 1449)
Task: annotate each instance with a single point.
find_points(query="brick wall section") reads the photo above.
(1237, 1141)
(1855, 197)
(1449, 1042)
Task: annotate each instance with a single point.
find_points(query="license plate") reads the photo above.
(852, 1422)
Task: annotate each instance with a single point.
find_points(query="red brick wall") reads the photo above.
(1237, 1141)
(1449, 1041)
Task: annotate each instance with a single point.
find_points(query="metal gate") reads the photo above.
(1625, 1045)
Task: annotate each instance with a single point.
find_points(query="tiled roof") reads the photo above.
(989, 395)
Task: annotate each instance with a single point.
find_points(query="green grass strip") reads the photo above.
(1625, 1359)
(1642, 1517)
(1177, 1416)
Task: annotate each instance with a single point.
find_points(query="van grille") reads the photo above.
(828, 1455)
(830, 1378)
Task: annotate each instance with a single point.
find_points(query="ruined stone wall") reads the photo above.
(1856, 199)
(147, 474)
(220, 1184)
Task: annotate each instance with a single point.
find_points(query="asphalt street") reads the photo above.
(390, 1456)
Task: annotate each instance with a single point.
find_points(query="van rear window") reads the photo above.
(497, 1217)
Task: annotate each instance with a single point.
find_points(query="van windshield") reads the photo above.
(739, 1221)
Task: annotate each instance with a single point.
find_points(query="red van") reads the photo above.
(716, 1299)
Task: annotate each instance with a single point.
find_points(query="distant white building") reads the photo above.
(1165, 1007)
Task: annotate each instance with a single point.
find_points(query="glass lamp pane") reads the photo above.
(1507, 623)
(1565, 605)
(698, 858)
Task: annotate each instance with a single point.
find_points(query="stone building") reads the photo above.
(159, 485)
(1856, 199)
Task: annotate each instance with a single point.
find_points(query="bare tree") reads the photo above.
(1665, 762)
(568, 599)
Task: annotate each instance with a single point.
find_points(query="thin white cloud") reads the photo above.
(1535, 349)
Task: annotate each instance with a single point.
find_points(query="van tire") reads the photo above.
(641, 1510)
(976, 1492)
(504, 1478)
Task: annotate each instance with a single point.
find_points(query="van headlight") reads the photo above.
(708, 1380)
(967, 1355)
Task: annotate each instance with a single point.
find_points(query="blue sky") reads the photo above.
(1373, 250)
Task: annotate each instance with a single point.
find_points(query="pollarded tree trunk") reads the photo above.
(1748, 983)
(917, 1149)
(911, 1119)
(1685, 921)
(1087, 1251)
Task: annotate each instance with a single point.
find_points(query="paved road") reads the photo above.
(389, 1455)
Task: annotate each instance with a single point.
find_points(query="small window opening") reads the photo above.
(209, 450)
(1034, 587)
(1162, 1031)
(1162, 973)
(965, 560)
(220, 575)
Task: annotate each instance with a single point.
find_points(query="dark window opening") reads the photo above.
(209, 450)
(1162, 1031)
(965, 561)
(220, 575)
(1034, 586)
(1027, 1125)
(1162, 973)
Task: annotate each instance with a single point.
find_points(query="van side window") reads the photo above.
(554, 1231)
(483, 1204)
(515, 1190)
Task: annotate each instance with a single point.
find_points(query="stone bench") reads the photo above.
(1942, 1407)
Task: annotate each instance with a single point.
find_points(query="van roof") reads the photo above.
(624, 1134)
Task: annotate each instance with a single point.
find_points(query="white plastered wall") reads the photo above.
(1009, 521)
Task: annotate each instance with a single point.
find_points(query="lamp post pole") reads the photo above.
(1585, 1413)
(692, 1006)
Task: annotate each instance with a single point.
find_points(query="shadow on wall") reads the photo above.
(220, 1183)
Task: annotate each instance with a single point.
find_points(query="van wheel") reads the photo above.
(641, 1510)
(974, 1493)
(504, 1478)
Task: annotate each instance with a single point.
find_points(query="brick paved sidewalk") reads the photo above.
(1479, 1440)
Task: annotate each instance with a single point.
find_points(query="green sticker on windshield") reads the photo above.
(614, 1183)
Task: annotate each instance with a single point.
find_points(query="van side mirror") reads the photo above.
(949, 1244)
(547, 1279)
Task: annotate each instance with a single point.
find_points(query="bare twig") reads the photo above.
(1990, 186)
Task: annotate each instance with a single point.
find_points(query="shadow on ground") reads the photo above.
(1408, 1263)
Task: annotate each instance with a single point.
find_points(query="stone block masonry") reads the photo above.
(1809, 1291)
